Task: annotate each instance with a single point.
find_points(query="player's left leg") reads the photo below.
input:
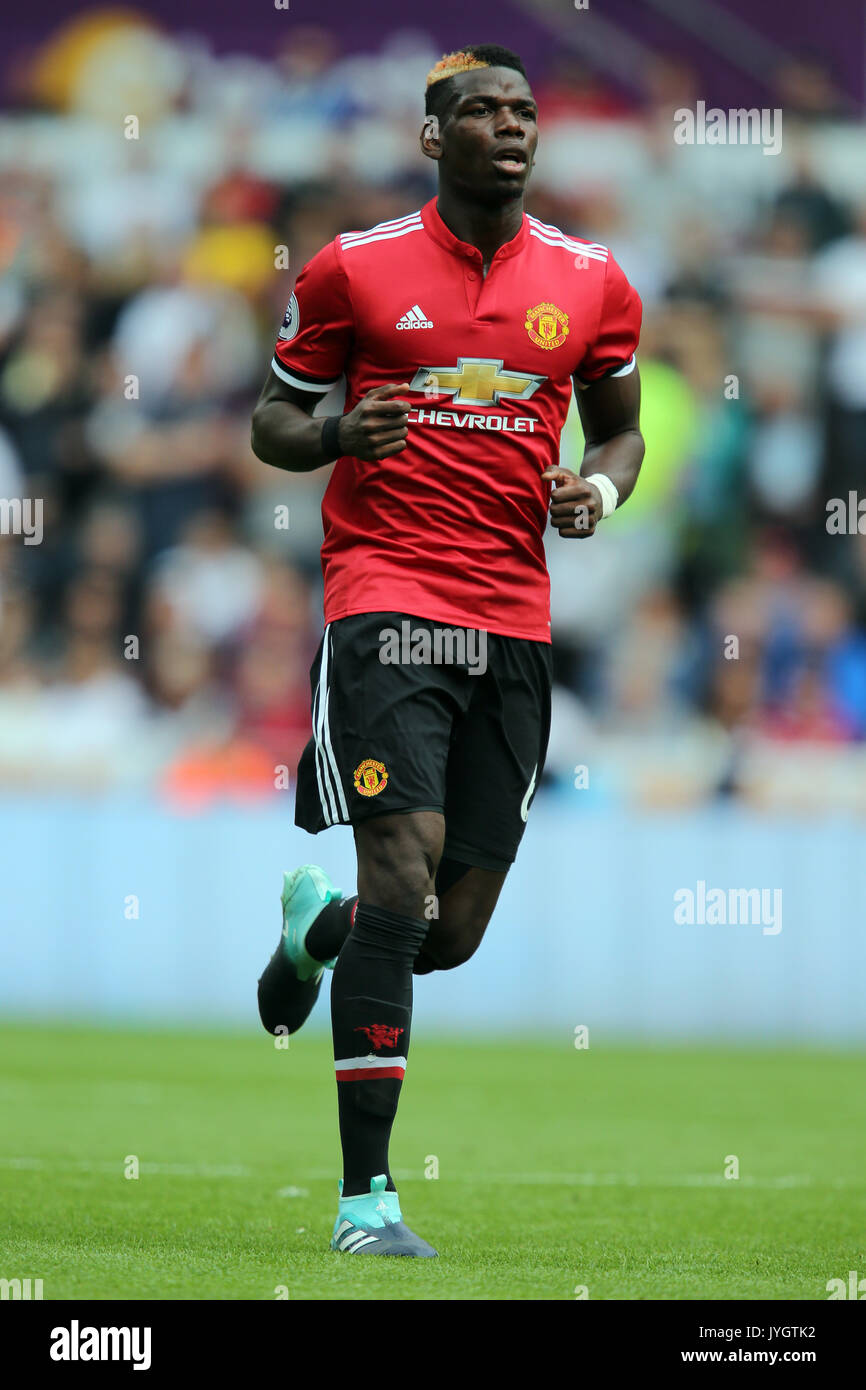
(465, 898)
(317, 921)
(495, 761)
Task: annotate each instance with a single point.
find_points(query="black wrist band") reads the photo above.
(330, 437)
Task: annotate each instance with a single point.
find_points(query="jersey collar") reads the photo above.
(436, 229)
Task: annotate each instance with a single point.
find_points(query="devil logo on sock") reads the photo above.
(381, 1034)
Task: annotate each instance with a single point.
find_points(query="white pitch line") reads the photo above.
(589, 1179)
(636, 1180)
(87, 1165)
(616, 1179)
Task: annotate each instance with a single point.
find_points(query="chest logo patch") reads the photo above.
(476, 381)
(546, 325)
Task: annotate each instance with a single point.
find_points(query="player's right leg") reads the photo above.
(378, 761)
(371, 1016)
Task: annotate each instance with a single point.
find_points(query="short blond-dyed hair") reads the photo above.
(453, 64)
(466, 59)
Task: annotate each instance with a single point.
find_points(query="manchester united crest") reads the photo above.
(546, 325)
(370, 777)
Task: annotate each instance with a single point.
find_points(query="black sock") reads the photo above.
(330, 929)
(371, 1014)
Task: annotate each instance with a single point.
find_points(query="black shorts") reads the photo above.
(413, 715)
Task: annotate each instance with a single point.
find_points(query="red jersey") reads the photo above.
(451, 528)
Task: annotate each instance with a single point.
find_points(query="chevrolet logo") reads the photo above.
(476, 381)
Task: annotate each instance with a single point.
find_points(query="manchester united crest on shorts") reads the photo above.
(546, 325)
(370, 777)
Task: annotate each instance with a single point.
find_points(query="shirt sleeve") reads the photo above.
(318, 326)
(612, 352)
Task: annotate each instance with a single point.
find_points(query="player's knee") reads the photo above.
(448, 957)
(450, 948)
(400, 886)
(397, 861)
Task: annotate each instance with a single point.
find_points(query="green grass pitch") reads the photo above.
(558, 1169)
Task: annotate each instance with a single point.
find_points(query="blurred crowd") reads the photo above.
(710, 641)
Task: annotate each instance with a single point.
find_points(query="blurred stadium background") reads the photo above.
(141, 831)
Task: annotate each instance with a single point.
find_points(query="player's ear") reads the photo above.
(430, 138)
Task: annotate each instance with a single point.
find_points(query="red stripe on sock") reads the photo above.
(371, 1073)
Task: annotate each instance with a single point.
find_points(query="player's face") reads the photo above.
(489, 137)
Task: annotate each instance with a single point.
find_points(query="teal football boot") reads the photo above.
(290, 983)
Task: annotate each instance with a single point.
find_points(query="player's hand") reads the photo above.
(378, 426)
(576, 506)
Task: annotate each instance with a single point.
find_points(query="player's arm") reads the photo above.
(312, 352)
(607, 384)
(610, 415)
(285, 434)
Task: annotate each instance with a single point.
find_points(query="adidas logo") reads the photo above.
(414, 318)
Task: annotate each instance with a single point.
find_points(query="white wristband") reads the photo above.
(609, 494)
